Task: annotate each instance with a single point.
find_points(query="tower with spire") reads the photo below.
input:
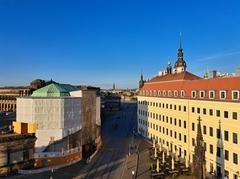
(180, 64)
(141, 81)
(199, 161)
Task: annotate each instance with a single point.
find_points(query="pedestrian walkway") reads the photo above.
(143, 170)
(130, 167)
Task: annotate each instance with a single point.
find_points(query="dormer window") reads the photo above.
(211, 94)
(194, 94)
(143, 92)
(235, 94)
(175, 93)
(183, 94)
(147, 93)
(150, 93)
(154, 93)
(223, 94)
(159, 93)
(202, 94)
(169, 93)
(164, 93)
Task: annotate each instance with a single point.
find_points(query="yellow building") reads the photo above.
(170, 104)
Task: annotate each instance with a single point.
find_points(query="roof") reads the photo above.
(216, 84)
(174, 77)
(52, 90)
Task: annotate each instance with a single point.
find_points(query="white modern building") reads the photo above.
(52, 113)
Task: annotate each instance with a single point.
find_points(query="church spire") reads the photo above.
(180, 64)
(199, 161)
(142, 81)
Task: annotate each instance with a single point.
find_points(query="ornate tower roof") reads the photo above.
(180, 63)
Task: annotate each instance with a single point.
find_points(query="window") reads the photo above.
(193, 142)
(164, 93)
(223, 94)
(210, 131)
(211, 94)
(211, 148)
(235, 95)
(210, 112)
(182, 93)
(235, 158)
(193, 109)
(169, 93)
(198, 110)
(193, 127)
(185, 139)
(218, 113)
(159, 93)
(180, 136)
(204, 111)
(176, 93)
(154, 93)
(185, 124)
(225, 114)
(204, 129)
(170, 106)
(234, 115)
(179, 108)
(170, 120)
(235, 138)
(226, 135)
(179, 123)
(194, 94)
(226, 154)
(184, 108)
(202, 94)
(175, 121)
(175, 135)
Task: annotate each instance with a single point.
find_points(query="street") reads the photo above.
(111, 161)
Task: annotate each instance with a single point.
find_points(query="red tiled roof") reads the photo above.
(216, 84)
(173, 77)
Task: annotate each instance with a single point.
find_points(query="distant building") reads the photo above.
(16, 152)
(8, 95)
(238, 71)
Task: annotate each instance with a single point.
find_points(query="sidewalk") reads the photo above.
(130, 165)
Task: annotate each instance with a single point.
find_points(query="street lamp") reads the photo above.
(133, 173)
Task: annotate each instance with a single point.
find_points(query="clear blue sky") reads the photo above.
(101, 42)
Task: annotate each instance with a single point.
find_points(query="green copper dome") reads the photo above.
(52, 90)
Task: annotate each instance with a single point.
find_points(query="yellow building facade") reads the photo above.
(170, 104)
(170, 122)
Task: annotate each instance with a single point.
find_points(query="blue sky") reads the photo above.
(106, 41)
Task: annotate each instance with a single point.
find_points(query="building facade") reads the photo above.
(168, 109)
(57, 111)
(16, 152)
(9, 95)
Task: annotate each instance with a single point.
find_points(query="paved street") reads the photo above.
(112, 161)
